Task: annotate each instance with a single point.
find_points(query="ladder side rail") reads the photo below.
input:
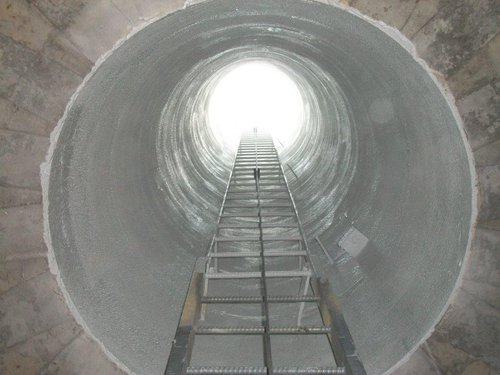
(223, 202)
(212, 244)
(308, 261)
(183, 343)
(339, 337)
(299, 222)
(268, 362)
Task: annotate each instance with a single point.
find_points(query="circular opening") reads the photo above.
(254, 94)
(374, 156)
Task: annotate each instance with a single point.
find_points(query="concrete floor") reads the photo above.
(46, 51)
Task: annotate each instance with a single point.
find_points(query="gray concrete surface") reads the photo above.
(136, 179)
(68, 37)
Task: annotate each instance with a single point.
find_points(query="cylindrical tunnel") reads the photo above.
(378, 168)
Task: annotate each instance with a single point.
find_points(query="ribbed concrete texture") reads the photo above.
(380, 170)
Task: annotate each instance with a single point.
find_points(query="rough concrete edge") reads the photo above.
(45, 179)
(395, 34)
(399, 37)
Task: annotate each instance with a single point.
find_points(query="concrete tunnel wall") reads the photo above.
(136, 177)
(47, 49)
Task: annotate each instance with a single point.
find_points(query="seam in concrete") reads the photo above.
(427, 351)
(12, 186)
(21, 205)
(24, 132)
(17, 344)
(54, 357)
(27, 256)
(409, 16)
(496, 139)
(17, 106)
(40, 54)
(129, 20)
(21, 283)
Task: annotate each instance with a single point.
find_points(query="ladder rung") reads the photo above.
(260, 159)
(259, 150)
(238, 159)
(265, 238)
(278, 225)
(254, 190)
(263, 167)
(256, 254)
(256, 226)
(258, 330)
(252, 156)
(281, 197)
(254, 205)
(252, 153)
(267, 214)
(250, 180)
(257, 157)
(246, 170)
(238, 183)
(300, 330)
(259, 299)
(252, 147)
(263, 174)
(238, 226)
(252, 165)
(241, 197)
(239, 214)
(254, 196)
(272, 190)
(265, 178)
(255, 275)
(247, 167)
(247, 370)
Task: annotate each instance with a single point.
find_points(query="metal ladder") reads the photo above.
(258, 220)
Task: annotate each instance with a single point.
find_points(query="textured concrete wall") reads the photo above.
(141, 193)
(46, 51)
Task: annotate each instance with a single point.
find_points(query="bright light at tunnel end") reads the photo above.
(255, 94)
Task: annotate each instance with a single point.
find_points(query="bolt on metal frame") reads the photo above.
(257, 176)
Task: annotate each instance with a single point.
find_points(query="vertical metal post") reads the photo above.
(182, 345)
(340, 338)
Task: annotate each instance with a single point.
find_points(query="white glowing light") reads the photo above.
(255, 95)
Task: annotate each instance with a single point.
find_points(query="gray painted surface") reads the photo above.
(136, 182)
(354, 242)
